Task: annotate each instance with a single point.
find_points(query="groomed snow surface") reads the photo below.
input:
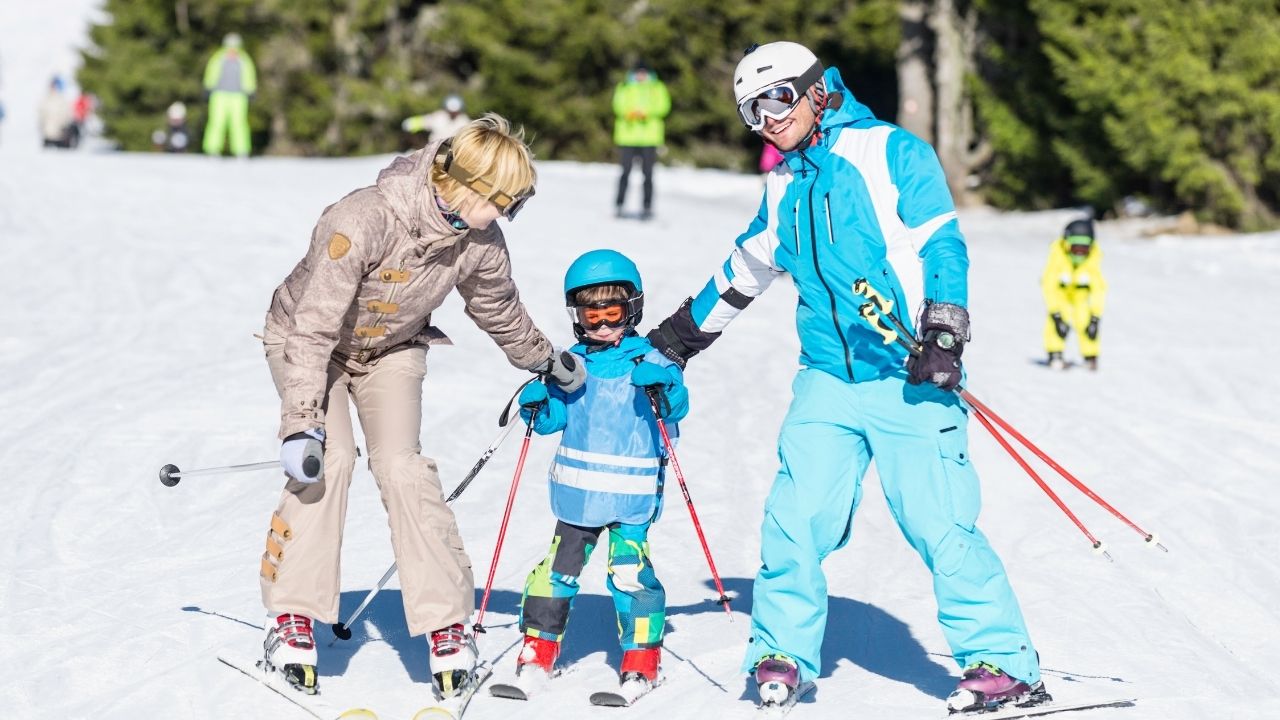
(132, 286)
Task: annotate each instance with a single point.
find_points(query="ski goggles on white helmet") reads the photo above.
(777, 101)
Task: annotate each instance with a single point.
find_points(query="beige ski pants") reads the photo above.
(300, 568)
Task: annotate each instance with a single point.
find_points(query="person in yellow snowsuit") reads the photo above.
(1074, 293)
(230, 79)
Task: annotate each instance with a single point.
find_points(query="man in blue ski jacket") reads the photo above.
(860, 216)
(607, 476)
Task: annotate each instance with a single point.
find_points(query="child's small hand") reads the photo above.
(665, 387)
(533, 400)
(647, 374)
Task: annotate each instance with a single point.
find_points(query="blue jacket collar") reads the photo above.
(846, 111)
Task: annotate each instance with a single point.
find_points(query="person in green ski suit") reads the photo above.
(640, 102)
(230, 79)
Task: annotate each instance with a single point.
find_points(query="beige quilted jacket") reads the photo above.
(381, 260)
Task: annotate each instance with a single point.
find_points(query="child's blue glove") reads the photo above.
(667, 386)
(533, 399)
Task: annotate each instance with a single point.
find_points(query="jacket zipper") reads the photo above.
(835, 316)
(831, 231)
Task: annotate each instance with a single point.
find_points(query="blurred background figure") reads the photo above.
(769, 157)
(442, 123)
(640, 102)
(230, 80)
(86, 122)
(56, 116)
(1074, 293)
(174, 136)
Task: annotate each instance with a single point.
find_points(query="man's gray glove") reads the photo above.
(302, 455)
(563, 370)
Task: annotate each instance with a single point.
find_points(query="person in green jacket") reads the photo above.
(230, 79)
(640, 102)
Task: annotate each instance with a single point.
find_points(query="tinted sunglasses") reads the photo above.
(508, 204)
(608, 313)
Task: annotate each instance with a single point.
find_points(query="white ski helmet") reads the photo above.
(453, 103)
(764, 66)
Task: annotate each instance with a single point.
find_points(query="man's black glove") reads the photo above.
(1092, 329)
(944, 329)
(1060, 325)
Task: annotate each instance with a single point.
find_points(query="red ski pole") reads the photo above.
(900, 334)
(981, 409)
(502, 531)
(1097, 544)
(688, 501)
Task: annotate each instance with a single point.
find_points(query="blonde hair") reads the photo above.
(601, 293)
(488, 149)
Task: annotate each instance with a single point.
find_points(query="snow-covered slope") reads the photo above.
(131, 287)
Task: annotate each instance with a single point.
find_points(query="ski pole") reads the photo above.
(1097, 544)
(1150, 538)
(980, 410)
(342, 630)
(502, 530)
(170, 474)
(688, 501)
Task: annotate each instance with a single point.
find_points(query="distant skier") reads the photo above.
(56, 117)
(640, 105)
(351, 325)
(859, 214)
(607, 476)
(1075, 293)
(230, 81)
(442, 123)
(174, 137)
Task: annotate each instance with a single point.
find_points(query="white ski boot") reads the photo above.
(291, 651)
(453, 659)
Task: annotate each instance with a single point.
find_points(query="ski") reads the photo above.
(780, 709)
(313, 705)
(1012, 711)
(626, 695)
(452, 708)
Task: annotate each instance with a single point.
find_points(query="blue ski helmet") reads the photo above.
(604, 267)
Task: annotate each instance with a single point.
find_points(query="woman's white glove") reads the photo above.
(302, 455)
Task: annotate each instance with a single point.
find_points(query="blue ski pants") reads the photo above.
(918, 436)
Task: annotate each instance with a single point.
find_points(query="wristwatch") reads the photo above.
(944, 339)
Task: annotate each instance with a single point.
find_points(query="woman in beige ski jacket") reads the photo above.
(351, 325)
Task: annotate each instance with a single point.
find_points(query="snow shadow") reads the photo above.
(592, 629)
(862, 634)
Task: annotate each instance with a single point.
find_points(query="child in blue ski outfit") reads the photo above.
(607, 475)
(860, 216)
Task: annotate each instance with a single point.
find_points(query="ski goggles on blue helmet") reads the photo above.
(777, 101)
(507, 204)
(604, 314)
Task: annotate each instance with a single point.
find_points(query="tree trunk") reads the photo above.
(955, 39)
(915, 88)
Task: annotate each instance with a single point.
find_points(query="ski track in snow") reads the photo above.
(132, 286)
